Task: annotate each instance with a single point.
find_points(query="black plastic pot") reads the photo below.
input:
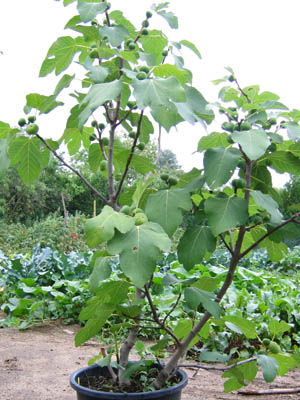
(83, 393)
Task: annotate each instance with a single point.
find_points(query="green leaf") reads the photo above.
(169, 17)
(130, 311)
(166, 116)
(4, 130)
(102, 228)
(61, 53)
(191, 46)
(247, 327)
(277, 328)
(140, 249)
(141, 187)
(98, 95)
(119, 19)
(284, 161)
(219, 165)
(266, 202)
(157, 92)
(166, 207)
(195, 108)
(26, 152)
(269, 367)
(115, 34)
(206, 283)
(215, 139)
(166, 70)
(194, 297)
(154, 44)
(254, 142)
(63, 83)
(4, 158)
(42, 103)
(196, 242)
(94, 325)
(231, 385)
(285, 363)
(101, 271)
(88, 11)
(293, 130)
(225, 213)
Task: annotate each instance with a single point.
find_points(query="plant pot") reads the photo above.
(83, 393)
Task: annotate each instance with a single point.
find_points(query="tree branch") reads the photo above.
(73, 170)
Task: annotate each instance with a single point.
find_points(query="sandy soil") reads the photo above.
(36, 365)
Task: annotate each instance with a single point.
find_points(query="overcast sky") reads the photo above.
(259, 39)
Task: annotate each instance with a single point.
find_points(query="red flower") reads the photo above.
(74, 236)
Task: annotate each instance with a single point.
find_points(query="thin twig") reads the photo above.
(211, 368)
(72, 169)
(172, 309)
(269, 391)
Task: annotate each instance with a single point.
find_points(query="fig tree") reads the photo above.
(103, 165)
(164, 177)
(31, 119)
(164, 53)
(145, 32)
(274, 347)
(141, 76)
(141, 146)
(245, 126)
(228, 126)
(140, 219)
(94, 124)
(172, 181)
(239, 183)
(148, 14)
(22, 122)
(101, 126)
(105, 141)
(145, 23)
(32, 129)
(132, 46)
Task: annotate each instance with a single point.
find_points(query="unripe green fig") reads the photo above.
(105, 141)
(93, 46)
(108, 6)
(94, 54)
(103, 165)
(272, 147)
(266, 342)
(135, 210)
(92, 138)
(101, 126)
(245, 126)
(141, 75)
(145, 23)
(132, 135)
(229, 139)
(31, 119)
(256, 219)
(125, 210)
(22, 122)
(242, 164)
(234, 115)
(164, 177)
(272, 121)
(94, 23)
(131, 104)
(132, 46)
(94, 124)
(274, 347)
(164, 53)
(231, 78)
(148, 14)
(261, 352)
(145, 32)
(140, 219)
(239, 183)
(141, 146)
(144, 68)
(32, 129)
(228, 126)
(172, 181)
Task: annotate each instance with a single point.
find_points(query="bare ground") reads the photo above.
(36, 364)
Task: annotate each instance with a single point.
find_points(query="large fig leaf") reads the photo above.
(194, 297)
(219, 165)
(140, 249)
(225, 213)
(102, 228)
(254, 142)
(194, 244)
(166, 208)
(158, 91)
(268, 203)
(88, 11)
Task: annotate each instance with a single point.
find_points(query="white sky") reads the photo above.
(259, 39)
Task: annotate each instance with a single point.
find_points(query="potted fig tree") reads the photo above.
(135, 83)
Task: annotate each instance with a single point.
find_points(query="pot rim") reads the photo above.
(117, 395)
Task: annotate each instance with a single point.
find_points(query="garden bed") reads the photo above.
(36, 364)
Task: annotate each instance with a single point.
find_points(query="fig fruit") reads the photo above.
(274, 347)
(103, 165)
(31, 119)
(141, 75)
(32, 129)
(140, 219)
(22, 122)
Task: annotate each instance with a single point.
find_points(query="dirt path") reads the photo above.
(36, 365)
